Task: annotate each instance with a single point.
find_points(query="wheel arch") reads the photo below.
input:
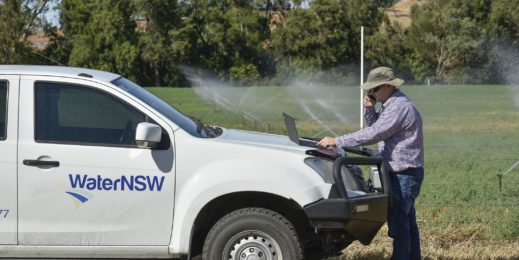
(218, 207)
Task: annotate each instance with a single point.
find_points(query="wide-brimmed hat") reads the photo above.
(381, 76)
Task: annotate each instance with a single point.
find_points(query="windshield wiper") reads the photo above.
(205, 129)
(199, 125)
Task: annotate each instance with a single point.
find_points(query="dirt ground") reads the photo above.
(446, 244)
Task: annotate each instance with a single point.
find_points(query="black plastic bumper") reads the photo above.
(359, 217)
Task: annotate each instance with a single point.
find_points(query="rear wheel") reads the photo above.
(252, 233)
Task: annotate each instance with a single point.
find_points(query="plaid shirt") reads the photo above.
(397, 128)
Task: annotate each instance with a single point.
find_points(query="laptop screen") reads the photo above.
(290, 125)
(294, 137)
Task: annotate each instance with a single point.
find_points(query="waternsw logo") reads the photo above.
(131, 183)
(81, 184)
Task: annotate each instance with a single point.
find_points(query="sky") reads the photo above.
(52, 15)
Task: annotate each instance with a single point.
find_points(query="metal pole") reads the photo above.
(361, 76)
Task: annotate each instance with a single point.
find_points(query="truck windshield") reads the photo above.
(189, 124)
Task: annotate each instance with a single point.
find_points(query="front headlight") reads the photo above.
(324, 167)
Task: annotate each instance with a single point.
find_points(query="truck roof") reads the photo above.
(41, 70)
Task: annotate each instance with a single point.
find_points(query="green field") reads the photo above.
(471, 136)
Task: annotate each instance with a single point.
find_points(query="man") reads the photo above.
(397, 128)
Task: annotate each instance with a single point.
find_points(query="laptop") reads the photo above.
(290, 125)
(319, 151)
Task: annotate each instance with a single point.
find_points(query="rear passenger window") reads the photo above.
(3, 110)
(81, 115)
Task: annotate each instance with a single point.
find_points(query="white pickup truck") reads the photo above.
(94, 166)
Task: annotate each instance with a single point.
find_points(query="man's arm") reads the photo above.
(390, 121)
(370, 115)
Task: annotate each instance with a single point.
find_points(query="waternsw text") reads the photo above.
(130, 183)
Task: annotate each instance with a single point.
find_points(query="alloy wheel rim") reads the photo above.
(252, 245)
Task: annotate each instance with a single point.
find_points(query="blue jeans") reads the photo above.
(402, 216)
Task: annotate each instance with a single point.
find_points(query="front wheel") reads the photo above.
(252, 233)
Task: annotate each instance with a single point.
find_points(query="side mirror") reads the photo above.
(148, 135)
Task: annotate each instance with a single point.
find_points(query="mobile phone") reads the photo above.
(373, 99)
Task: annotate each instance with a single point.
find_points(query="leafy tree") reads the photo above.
(441, 39)
(503, 21)
(156, 19)
(97, 34)
(295, 44)
(341, 21)
(102, 35)
(19, 21)
(387, 48)
(244, 40)
(74, 15)
(223, 36)
(503, 42)
(477, 11)
(273, 5)
(447, 41)
(325, 35)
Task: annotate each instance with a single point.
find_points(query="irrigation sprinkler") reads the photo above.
(501, 175)
(500, 180)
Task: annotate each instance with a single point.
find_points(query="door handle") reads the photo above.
(40, 163)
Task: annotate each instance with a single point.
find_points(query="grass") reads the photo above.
(471, 136)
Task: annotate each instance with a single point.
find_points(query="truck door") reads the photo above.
(8, 142)
(82, 179)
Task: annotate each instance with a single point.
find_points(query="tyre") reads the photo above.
(252, 233)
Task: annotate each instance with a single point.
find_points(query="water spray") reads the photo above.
(226, 104)
(314, 117)
(268, 101)
(303, 91)
(238, 100)
(224, 95)
(515, 90)
(331, 109)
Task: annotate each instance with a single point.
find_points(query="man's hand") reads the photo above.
(328, 142)
(368, 102)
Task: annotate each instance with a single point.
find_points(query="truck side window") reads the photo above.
(81, 115)
(3, 110)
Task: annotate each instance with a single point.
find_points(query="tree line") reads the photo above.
(268, 41)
